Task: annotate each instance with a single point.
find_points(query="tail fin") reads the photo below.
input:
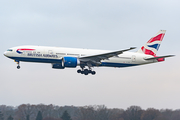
(152, 46)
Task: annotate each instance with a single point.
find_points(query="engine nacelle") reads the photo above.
(71, 62)
(57, 66)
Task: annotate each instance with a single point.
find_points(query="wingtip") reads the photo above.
(172, 55)
(132, 47)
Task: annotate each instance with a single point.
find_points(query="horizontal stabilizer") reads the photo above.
(154, 58)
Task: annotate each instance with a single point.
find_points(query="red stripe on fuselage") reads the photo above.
(25, 49)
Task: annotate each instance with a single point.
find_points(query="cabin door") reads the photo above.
(133, 58)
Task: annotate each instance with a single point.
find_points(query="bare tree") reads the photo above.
(150, 114)
(1, 116)
(26, 112)
(85, 113)
(95, 112)
(115, 114)
(51, 118)
(167, 113)
(132, 113)
(7, 111)
(176, 115)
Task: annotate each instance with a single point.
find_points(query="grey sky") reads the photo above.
(103, 24)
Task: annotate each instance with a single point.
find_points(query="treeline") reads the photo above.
(96, 112)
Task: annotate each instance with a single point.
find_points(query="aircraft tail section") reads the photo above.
(152, 46)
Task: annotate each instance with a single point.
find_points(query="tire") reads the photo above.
(89, 71)
(93, 73)
(86, 71)
(78, 71)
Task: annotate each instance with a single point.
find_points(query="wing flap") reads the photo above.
(103, 56)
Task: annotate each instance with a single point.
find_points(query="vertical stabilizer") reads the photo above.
(152, 46)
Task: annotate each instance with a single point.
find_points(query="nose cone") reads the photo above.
(5, 53)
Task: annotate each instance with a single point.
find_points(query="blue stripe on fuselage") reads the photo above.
(108, 64)
(45, 60)
(42, 60)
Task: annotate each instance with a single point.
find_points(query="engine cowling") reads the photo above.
(71, 62)
(57, 66)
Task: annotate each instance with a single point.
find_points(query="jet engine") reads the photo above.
(70, 62)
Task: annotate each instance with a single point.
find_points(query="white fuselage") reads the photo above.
(43, 54)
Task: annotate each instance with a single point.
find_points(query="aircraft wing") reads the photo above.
(154, 58)
(97, 58)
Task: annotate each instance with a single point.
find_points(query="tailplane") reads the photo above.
(152, 46)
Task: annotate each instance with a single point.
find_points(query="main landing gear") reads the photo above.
(86, 71)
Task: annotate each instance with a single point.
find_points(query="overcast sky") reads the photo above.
(92, 24)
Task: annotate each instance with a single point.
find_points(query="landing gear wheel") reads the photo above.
(86, 72)
(18, 67)
(89, 71)
(93, 72)
(82, 72)
(79, 71)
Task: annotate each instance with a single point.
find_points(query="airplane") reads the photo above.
(61, 57)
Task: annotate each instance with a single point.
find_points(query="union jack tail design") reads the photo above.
(152, 46)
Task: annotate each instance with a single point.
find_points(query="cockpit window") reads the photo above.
(9, 50)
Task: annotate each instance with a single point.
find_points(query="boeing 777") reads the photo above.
(62, 58)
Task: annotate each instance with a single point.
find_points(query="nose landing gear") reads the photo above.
(18, 67)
